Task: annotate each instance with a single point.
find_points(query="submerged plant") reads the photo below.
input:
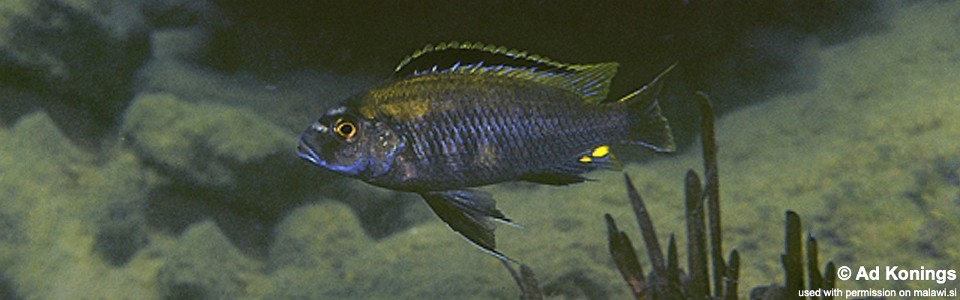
(708, 274)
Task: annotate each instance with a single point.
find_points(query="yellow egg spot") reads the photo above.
(601, 151)
(585, 159)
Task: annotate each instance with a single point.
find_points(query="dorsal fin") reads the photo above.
(592, 82)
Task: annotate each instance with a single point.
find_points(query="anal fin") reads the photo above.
(569, 171)
(599, 157)
(553, 178)
(470, 213)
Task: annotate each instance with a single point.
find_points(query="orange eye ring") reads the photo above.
(345, 129)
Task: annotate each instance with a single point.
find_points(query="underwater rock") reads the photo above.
(427, 262)
(180, 13)
(319, 235)
(205, 265)
(35, 157)
(558, 239)
(53, 196)
(288, 100)
(6, 289)
(120, 187)
(308, 283)
(36, 151)
(121, 233)
(200, 141)
(80, 54)
(185, 44)
(42, 37)
(309, 252)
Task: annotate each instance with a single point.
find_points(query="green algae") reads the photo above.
(845, 157)
(200, 140)
(426, 261)
(56, 192)
(310, 250)
(205, 265)
(321, 236)
(868, 159)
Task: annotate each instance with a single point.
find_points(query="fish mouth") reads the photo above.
(306, 152)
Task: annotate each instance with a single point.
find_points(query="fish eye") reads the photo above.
(345, 129)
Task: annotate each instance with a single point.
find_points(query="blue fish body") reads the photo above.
(438, 128)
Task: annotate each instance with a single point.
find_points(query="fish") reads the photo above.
(455, 116)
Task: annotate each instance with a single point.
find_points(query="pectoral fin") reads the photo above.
(470, 213)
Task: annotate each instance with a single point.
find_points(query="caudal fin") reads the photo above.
(648, 127)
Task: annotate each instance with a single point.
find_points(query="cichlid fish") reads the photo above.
(461, 115)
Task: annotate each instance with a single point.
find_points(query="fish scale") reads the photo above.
(561, 133)
(444, 124)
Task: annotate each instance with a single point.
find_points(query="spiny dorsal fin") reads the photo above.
(589, 81)
(653, 87)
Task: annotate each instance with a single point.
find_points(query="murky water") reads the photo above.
(148, 147)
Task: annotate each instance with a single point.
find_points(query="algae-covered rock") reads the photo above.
(310, 249)
(292, 100)
(563, 232)
(186, 44)
(561, 236)
(205, 265)
(429, 261)
(120, 187)
(109, 42)
(320, 235)
(55, 200)
(308, 283)
(37, 152)
(82, 53)
(121, 233)
(201, 141)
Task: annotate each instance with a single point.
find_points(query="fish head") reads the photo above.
(345, 142)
